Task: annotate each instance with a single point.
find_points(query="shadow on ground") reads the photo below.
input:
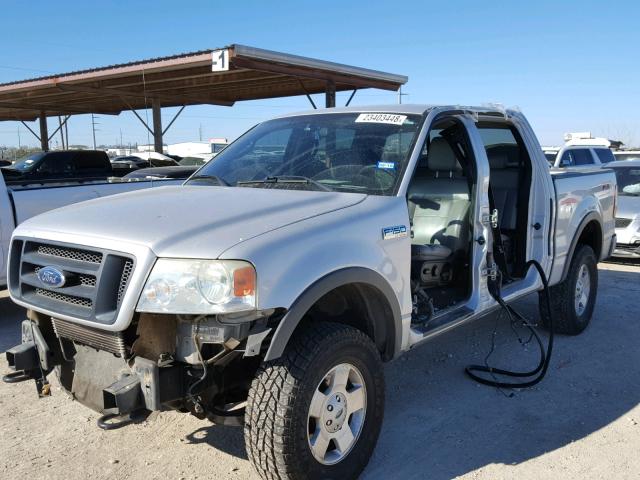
(11, 315)
(440, 424)
(226, 439)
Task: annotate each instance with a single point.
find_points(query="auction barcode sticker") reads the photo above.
(381, 118)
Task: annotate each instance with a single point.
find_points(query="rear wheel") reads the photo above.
(316, 412)
(573, 300)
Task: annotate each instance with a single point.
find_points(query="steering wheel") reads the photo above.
(383, 183)
(364, 171)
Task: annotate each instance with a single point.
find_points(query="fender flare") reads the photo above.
(589, 217)
(321, 287)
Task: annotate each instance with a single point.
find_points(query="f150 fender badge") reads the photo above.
(51, 277)
(397, 231)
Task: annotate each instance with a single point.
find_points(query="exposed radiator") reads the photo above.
(102, 340)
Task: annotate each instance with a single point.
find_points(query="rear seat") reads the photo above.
(504, 186)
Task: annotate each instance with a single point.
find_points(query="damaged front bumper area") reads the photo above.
(161, 362)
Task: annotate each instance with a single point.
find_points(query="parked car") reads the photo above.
(626, 154)
(628, 211)
(60, 165)
(128, 162)
(281, 275)
(196, 160)
(19, 202)
(550, 154)
(156, 159)
(162, 172)
(580, 156)
(134, 162)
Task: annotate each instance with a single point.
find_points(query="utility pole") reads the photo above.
(93, 127)
(61, 131)
(200, 132)
(400, 95)
(120, 138)
(19, 146)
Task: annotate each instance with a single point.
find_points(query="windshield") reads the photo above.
(352, 152)
(27, 163)
(628, 180)
(551, 157)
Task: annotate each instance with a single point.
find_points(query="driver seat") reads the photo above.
(439, 203)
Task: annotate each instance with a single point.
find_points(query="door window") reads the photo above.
(56, 165)
(576, 157)
(582, 157)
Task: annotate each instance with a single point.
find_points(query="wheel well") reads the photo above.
(592, 235)
(361, 306)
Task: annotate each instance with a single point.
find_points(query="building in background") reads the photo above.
(190, 149)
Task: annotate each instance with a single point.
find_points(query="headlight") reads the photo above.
(199, 287)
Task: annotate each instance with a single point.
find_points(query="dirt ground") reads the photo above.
(581, 422)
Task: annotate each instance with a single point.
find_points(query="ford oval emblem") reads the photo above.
(51, 277)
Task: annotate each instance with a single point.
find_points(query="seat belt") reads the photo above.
(498, 251)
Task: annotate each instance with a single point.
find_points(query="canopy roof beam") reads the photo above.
(141, 95)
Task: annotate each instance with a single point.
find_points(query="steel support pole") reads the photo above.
(157, 125)
(330, 95)
(44, 134)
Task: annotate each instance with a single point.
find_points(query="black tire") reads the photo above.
(276, 420)
(566, 319)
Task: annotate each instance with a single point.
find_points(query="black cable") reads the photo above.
(545, 354)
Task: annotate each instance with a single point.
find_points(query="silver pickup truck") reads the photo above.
(22, 200)
(270, 287)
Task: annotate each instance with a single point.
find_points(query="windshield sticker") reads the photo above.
(386, 165)
(381, 118)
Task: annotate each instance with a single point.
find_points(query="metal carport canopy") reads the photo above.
(216, 77)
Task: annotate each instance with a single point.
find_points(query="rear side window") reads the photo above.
(605, 155)
(91, 161)
(502, 147)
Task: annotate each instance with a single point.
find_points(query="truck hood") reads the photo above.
(628, 206)
(188, 221)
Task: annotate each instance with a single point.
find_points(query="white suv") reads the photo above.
(581, 156)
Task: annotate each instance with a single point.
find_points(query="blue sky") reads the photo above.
(569, 66)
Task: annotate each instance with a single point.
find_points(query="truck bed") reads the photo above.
(580, 194)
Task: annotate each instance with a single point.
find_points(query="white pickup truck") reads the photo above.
(21, 200)
(271, 286)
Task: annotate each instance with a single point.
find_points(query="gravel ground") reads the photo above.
(581, 422)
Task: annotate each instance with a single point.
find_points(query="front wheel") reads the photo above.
(573, 300)
(316, 412)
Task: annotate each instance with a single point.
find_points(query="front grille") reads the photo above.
(61, 297)
(92, 337)
(95, 280)
(623, 222)
(124, 279)
(70, 253)
(89, 280)
(626, 247)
